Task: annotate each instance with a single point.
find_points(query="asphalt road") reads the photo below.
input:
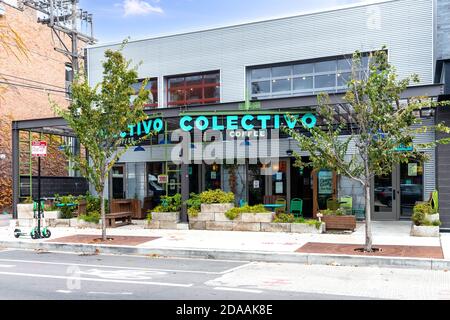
(59, 276)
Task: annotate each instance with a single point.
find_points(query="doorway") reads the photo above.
(118, 182)
(302, 187)
(395, 194)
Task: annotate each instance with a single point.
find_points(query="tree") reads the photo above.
(99, 115)
(379, 124)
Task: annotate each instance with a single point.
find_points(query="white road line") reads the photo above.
(112, 293)
(7, 266)
(63, 291)
(237, 289)
(111, 267)
(166, 284)
(238, 267)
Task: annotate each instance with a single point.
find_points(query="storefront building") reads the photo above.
(229, 89)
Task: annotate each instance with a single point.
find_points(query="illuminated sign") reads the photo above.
(247, 122)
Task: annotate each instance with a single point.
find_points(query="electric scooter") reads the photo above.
(40, 229)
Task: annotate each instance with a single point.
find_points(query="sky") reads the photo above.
(115, 20)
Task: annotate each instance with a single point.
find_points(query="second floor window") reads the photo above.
(302, 78)
(152, 85)
(202, 88)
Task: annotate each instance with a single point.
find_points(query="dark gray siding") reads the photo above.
(443, 169)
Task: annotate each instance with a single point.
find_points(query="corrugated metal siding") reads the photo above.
(405, 26)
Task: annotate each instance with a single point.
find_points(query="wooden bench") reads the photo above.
(123, 217)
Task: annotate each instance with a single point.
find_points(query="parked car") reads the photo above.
(410, 194)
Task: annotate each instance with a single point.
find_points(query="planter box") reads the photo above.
(424, 231)
(203, 216)
(52, 214)
(25, 211)
(197, 225)
(247, 226)
(219, 226)
(276, 227)
(306, 228)
(166, 216)
(339, 222)
(216, 207)
(433, 217)
(59, 222)
(88, 225)
(257, 217)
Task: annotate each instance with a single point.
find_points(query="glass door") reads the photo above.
(411, 187)
(385, 198)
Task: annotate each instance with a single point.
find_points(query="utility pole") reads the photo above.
(64, 17)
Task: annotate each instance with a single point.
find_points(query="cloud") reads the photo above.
(139, 8)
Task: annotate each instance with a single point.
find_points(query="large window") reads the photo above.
(201, 88)
(152, 85)
(303, 78)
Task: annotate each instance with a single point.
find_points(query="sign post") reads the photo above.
(39, 150)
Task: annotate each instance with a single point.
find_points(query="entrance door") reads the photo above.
(395, 194)
(118, 182)
(385, 197)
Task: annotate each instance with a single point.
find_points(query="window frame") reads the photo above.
(153, 91)
(185, 88)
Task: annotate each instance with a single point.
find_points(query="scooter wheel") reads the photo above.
(47, 234)
(17, 233)
(34, 235)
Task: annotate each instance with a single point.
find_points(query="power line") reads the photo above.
(32, 87)
(29, 80)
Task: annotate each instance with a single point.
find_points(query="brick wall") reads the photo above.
(44, 68)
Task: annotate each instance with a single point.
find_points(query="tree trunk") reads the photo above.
(102, 209)
(368, 246)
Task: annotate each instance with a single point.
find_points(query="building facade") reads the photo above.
(234, 86)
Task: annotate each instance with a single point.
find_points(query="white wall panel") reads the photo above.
(405, 26)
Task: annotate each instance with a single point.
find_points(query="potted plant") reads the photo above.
(167, 214)
(213, 201)
(338, 220)
(426, 221)
(302, 225)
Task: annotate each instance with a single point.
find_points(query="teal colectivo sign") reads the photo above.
(230, 123)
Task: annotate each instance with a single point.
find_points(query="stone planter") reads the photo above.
(424, 231)
(203, 216)
(339, 222)
(81, 224)
(52, 214)
(25, 211)
(59, 222)
(307, 228)
(276, 227)
(164, 220)
(216, 207)
(257, 217)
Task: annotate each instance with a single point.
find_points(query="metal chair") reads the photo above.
(281, 209)
(242, 203)
(297, 206)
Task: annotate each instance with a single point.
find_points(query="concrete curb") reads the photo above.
(263, 256)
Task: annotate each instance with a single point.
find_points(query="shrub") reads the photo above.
(149, 217)
(93, 217)
(310, 222)
(66, 205)
(194, 201)
(284, 218)
(169, 204)
(216, 196)
(236, 212)
(420, 213)
(193, 212)
(338, 212)
(27, 200)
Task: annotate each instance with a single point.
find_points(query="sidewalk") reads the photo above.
(264, 246)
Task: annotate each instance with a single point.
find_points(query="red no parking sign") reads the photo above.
(39, 149)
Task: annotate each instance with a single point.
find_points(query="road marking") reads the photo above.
(112, 293)
(7, 266)
(111, 267)
(237, 289)
(166, 284)
(238, 267)
(63, 291)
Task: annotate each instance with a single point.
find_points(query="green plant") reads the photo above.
(149, 217)
(193, 212)
(284, 218)
(338, 212)
(67, 205)
(420, 213)
(93, 217)
(310, 222)
(216, 196)
(28, 200)
(235, 212)
(169, 204)
(194, 203)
